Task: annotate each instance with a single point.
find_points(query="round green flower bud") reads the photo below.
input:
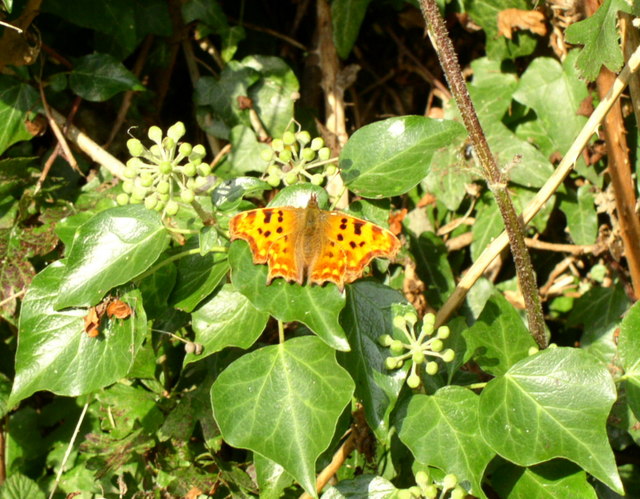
(168, 144)
(288, 138)
(187, 195)
(159, 205)
(190, 347)
(122, 199)
(385, 340)
(185, 149)
(204, 169)
(430, 491)
(422, 478)
(418, 357)
(413, 381)
(330, 170)
(317, 179)
(165, 167)
(291, 178)
(396, 347)
(266, 154)
(274, 170)
(436, 345)
(277, 145)
(553, 345)
(532, 351)
(448, 355)
(191, 183)
(431, 368)
(156, 151)
(308, 154)
(146, 179)
(155, 134)
(392, 363)
(411, 317)
(163, 197)
(404, 494)
(151, 202)
(163, 187)
(135, 147)
(176, 131)
(198, 152)
(458, 493)
(171, 208)
(443, 332)
(415, 491)
(285, 156)
(139, 192)
(189, 170)
(127, 186)
(399, 322)
(317, 143)
(135, 199)
(303, 137)
(130, 172)
(273, 180)
(449, 481)
(324, 153)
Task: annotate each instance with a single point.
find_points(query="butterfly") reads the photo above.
(312, 245)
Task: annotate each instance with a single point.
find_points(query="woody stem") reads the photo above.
(495, 178)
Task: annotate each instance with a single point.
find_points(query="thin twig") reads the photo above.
(68, 451)
(89, 147)
(545, 192)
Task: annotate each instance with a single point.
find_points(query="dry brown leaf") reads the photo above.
(510, 20)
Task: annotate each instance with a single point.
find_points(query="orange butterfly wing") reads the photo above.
(349, 244)
(271, 234)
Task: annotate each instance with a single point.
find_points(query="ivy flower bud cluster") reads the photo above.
(292, 156)
(166, 173)
(422, 348)
(425, 487)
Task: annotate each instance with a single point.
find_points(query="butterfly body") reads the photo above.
(312, 245)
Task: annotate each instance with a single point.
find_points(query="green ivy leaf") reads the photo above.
(216, 323)
(485, 13)
(274, 94)
(317, 307)
(55, 354)
(112, 248)
(582, 219)
(488, 225)
(271, 477)
(433, 267)
(228, 195)
(369, 486)
(367, 315)
(16, 100)
(555, 93)
(245, 154)
(629, 351)
(533, 168)
(283, 402)
(18, 486)
(556, 478)
(550, 405)
(400, 158)
(98, 77)
(198, 275)
(442, 430)
(599, 310)
(499, 338)
(599, 35)
(347, 17)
